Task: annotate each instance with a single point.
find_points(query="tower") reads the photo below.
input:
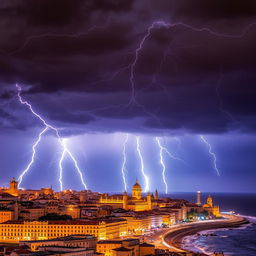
(156, 195)
(209, 201)
(136, 190)
(13, 189)
(198, 202)
(149, 201)
(125, 200)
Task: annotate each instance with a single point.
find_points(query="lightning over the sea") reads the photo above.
(162, 164)
(123, 170)
(163, 149)
(146, 179)
(212, 154)
(61, 141)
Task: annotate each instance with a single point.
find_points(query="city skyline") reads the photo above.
(163, 92)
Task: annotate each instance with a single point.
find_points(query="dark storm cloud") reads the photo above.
(185, 80)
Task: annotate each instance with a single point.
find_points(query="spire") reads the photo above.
(156, 194)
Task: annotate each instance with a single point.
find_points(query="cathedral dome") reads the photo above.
(136, 185)
(136, 190)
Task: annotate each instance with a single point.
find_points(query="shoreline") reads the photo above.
(174, 238)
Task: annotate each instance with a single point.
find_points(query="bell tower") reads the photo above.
(149, 201)
(125, 201)
(13, 189)
(209, 201)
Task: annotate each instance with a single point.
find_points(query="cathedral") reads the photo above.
(212, 209)
(135, 202)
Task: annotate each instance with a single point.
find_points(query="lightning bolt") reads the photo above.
(212, 154)
(75, 162)
(160, 24)
(61, 168)
(146, 179)
(32, 157)
(163, 149)
(163, 164)
(61, 141)
(124, 162)
(76, 35)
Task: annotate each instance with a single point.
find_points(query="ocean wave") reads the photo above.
(250, 218)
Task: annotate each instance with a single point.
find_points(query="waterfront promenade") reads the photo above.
(171, 238)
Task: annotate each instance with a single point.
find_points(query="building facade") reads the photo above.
(135, 202)
(15, 231)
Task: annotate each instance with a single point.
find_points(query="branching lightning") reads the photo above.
(161, 23)
(132, 99)
(33, 155)
(163, 164)
(146, 179)
(75, 163)
(59, 35)
(61, 141)
(212, 154)
(123, 170)
(163, 149)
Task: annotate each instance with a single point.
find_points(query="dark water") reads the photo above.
(235, 242)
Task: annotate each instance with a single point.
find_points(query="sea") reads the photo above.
(232, 241)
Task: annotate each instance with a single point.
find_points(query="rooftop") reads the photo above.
(123, 249)
(65, 238)
(147, 245)
(66, 222)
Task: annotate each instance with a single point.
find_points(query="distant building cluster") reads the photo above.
(89, 223)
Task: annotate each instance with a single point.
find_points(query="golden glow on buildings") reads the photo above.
(136, 202)
(14, 231)
(124, 247)
(212, 209)
(6, 215)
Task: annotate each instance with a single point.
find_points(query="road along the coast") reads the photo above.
(171, 238)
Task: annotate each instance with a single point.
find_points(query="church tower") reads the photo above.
(13, 189)
(136, 190)
(156, 195)
(209, 201)
(125, 201)
(149, 201)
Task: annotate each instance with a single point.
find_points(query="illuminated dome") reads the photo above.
(136, 185)
(136, 190)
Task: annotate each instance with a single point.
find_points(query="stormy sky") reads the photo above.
(99, 69)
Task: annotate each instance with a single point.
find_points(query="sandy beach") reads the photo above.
(174, 236)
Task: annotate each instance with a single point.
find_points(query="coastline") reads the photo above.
(174, 237)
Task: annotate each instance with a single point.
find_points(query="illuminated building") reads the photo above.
(14, 231)
(48, 250)
(212, 209)
(13, 190)
(32, 213)
(85, 241)
(6, 215)
(138, 225)
(30, 193)
(147, 249)
(73, 211)
(127, 247)
(135, 202)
